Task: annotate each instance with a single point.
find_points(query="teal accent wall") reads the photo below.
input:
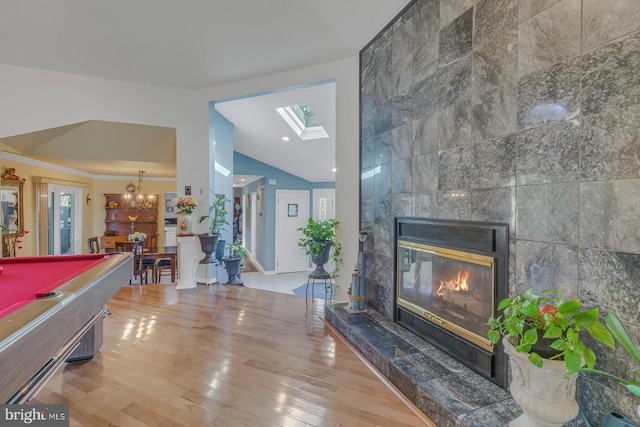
(221, 135)
(266, 224)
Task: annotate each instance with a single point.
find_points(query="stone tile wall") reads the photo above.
(525, 112)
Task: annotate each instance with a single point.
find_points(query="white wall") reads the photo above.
(346, 75)
(34, 100)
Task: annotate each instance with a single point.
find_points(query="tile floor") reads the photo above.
(284, 283)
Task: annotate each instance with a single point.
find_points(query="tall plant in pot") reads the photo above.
(541, 336)
(319, 242)
(232, 262)
(217, 220)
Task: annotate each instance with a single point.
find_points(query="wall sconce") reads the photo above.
(362, 236)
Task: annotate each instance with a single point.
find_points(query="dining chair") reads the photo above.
(151, 243)
(93, 245)
(139, 268)
(161, 265)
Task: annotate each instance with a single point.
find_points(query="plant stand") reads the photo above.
(329, 288)
(187, 255)
(207, 273)
(321, 275)
(546, 395)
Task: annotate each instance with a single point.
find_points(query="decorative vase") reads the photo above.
(220, 249)
(546, 395)
(232, 264)
(184, 223)
(208, 244)
(320, 260)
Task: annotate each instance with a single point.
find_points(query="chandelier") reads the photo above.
(135, 197)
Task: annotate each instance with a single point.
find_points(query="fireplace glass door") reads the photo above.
(452, 289)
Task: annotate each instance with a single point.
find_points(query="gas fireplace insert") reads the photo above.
(449, 277)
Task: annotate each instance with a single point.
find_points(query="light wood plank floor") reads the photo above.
(222, 356)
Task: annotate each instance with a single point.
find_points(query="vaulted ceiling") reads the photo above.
(193, 44)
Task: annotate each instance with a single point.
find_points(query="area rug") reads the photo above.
(318, 291)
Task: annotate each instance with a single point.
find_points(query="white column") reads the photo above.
(187, 261)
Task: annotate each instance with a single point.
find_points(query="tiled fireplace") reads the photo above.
(518, 112)
(449, 277)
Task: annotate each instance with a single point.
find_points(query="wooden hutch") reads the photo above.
(125, 215)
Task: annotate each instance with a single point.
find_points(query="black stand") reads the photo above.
(325, 279)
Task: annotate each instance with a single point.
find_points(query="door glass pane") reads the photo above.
(50, 223)
(67, 235)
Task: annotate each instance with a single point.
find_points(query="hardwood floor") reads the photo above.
(222, 356)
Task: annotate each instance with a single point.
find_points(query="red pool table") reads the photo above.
(51, 310)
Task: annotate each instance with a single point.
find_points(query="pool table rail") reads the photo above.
(31, 336)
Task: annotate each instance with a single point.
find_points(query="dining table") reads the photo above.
(158, 252)
(154, 253)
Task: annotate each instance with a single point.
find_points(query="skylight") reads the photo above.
(302, 121)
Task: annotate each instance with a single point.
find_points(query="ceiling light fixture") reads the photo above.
(135, 197)
(334, 169)
(285, 138)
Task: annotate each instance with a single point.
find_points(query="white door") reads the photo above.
(254, 215)
(292, 212)
(64, 213)
(324, 200)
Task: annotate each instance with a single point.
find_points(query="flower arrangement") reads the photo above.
(136, 236)
(185, 204)
(11, 242)
(532, 319)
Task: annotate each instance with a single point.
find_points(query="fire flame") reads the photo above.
(457, 284)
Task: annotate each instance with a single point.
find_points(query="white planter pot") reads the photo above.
(546, 395)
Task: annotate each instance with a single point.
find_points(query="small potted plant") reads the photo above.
(217, 220)
(319, 242)
(541, 336)
(232, 262)
(544, 326)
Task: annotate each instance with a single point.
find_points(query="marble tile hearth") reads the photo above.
(448, 392)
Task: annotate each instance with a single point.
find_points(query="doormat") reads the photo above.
(318, 291)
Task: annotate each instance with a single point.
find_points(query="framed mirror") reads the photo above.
(11, 210)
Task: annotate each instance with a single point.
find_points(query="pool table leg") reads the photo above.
(89, 344)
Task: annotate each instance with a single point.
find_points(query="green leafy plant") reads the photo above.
(530, 318)
(620, 333)
(217, 216)
(236, 249)
(317, 234)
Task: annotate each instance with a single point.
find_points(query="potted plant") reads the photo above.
(217, 219)
(232, 262)
(319, 242)
(541, 336)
